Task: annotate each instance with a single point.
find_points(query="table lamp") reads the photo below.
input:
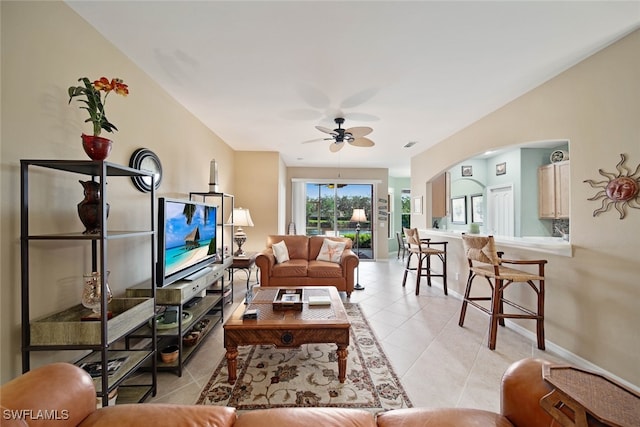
(241, 218)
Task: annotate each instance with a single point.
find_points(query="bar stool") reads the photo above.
(402, 245)
(423, 249)
(485, 261)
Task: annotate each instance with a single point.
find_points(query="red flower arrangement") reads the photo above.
(94, 103)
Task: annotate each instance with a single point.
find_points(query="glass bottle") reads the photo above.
(92, 294)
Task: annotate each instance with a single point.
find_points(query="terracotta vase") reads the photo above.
(96, 147)
(89, 207)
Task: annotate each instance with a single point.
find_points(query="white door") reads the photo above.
(500, 211)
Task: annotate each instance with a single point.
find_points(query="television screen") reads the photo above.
(186, 238)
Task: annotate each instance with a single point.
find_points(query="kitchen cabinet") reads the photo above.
(554, 190)
(440, 190)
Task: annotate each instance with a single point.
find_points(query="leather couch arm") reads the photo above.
(65, 391)
(521, 391)
(265, 261)
(349, 261)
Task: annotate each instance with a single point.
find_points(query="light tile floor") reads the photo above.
(439, 363)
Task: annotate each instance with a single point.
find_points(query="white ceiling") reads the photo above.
(263, 74)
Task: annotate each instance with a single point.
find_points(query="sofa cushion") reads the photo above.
(324, 269)
(315, 243)
(161, 414)
(306, 417)
(281, 252)
(298, 246)
(441, 417)
(291, 268)
(331, 251)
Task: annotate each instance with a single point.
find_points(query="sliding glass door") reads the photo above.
(335, 209)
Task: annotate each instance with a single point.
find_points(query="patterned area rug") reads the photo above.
(308, 376)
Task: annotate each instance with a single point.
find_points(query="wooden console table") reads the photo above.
(580, 395)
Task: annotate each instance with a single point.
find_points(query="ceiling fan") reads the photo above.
(354, 136)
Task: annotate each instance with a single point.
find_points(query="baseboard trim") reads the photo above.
(573, 358)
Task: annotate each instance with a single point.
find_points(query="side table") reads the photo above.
(580, 395)
(245, 263)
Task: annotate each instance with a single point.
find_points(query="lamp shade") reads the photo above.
(358, 215)
(241, 218)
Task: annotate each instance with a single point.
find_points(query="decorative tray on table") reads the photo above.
(288, 299)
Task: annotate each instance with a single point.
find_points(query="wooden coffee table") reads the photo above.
(316, 324)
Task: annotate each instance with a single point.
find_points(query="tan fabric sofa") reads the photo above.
(66, 392)
(302, 268)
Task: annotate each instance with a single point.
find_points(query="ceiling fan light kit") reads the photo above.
(354, 136)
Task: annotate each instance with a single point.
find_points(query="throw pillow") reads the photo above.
(281, 252)
(331, 251)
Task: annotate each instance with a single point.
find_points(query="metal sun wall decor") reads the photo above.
(619, 190)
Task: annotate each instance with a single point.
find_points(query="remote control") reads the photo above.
(250, 314)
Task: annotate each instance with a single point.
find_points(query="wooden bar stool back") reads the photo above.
(486, 262)
(403, 246)
(423, 249)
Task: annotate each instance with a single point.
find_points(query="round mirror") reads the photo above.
(145, 159)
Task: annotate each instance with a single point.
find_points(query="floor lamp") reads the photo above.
(358, 215)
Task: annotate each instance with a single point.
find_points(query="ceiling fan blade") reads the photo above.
(313, 96)
(362, 142)
(334, 148)
(362, 117)
(359, 98)
(360, 131)
(316, 140)
(326, 130)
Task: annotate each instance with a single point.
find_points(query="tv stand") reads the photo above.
(180, 294)
(198, 274)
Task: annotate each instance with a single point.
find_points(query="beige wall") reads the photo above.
(257, 174)
(377, 175)
(46, 47)
(592, 297)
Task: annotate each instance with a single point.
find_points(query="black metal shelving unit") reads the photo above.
(65, 330)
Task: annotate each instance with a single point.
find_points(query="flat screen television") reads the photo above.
(186, 239)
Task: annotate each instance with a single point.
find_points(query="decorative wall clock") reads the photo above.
(558, 156)
(619, 190)
(145, 159)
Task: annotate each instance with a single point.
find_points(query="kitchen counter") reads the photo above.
(552, 245)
